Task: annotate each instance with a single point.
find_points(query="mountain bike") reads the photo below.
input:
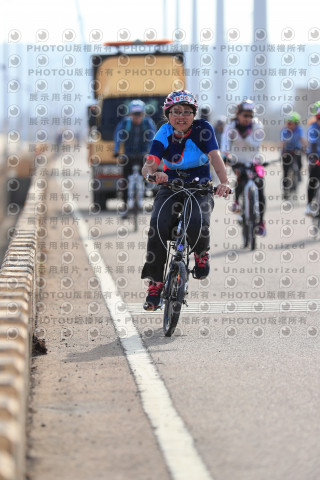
(250, 211)
(291, 172)
(136, 190)
(177, 271)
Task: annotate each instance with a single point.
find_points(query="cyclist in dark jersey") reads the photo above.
(188, 145)
(313, 151)
(136, 132)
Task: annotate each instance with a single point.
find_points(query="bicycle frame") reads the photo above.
(250, 200)
(291, 173)
(250, 186)
(180, 245)
(177, 270)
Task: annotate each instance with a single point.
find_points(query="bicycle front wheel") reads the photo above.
(245, 231)
(292, 179)
(174, 298)
(135, 217)
(252, 221)
(316, 217)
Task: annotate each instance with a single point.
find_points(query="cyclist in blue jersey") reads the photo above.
(292, 143)
(136, 132)
(313, 151)
(186, 145)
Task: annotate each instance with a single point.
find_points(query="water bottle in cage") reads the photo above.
(135, 188)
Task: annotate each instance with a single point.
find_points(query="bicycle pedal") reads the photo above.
(151, 308)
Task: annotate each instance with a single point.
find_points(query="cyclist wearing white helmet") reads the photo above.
(313, 151)
(136, 132)
(240, 143)
(186, 145)
(292, 143)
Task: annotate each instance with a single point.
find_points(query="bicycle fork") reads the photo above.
(178, 257)
(181, 246)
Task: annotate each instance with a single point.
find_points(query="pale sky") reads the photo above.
(109, 18)
(46, 24)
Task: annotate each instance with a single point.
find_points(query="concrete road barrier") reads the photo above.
(18, 289)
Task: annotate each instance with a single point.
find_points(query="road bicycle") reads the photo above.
(177, 271)
(291, 172)
(250, 211)
(136, 188)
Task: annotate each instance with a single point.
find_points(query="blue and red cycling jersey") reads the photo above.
(190, 153)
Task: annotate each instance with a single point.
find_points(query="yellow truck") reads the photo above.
(126, 71)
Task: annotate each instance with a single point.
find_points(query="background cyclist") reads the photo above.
(219, 126)
(313, 151)
(292, 142)
(240, 143)
(187, 145)
(135, 132)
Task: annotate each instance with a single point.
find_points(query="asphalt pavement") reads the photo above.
(237, 385)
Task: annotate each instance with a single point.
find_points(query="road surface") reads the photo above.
(233, 395)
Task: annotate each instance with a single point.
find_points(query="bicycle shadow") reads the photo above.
(111, 349)
(150, 337)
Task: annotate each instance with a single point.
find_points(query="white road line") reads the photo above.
(176, 443)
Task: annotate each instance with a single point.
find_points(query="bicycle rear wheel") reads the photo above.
(174, 297)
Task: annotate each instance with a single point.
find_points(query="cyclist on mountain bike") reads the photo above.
(189, 145)
(240, 144)
(313, 151)
(136, 132)
(292, 143)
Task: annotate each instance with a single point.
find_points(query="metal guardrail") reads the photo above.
(18, 289)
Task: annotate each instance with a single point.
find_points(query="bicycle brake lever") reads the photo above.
(151, 178)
